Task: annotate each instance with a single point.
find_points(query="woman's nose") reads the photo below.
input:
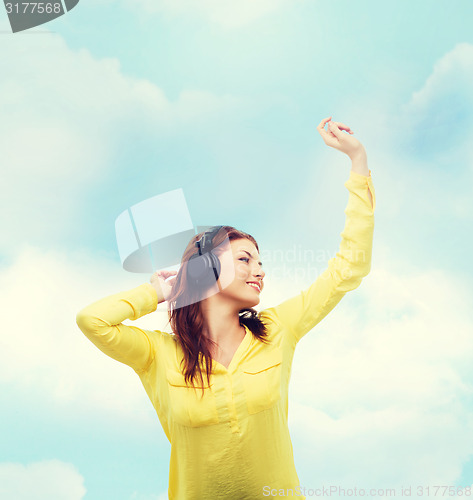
(260, 272)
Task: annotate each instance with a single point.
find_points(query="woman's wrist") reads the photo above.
(359, 163)
(155, 286)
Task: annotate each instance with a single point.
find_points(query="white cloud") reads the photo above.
(45, 352)
(45, 480)
(382, 395)
(227, 13)
(437, 120)
(420, 152)
(436, 123)
(50, 151)
(451, 77)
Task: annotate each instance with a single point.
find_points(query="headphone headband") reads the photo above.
(204, 244)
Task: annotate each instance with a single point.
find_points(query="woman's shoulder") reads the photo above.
(161, 338)
(268, 317)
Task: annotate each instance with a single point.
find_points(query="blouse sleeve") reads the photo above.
(345, 271)
(101, 322)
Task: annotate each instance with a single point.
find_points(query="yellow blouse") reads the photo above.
(234, 443)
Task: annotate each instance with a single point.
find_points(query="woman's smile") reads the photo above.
(254, 285)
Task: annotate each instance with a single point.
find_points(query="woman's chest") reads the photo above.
(253, 385)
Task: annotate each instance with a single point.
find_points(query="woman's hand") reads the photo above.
(336, 138)
(162, 284)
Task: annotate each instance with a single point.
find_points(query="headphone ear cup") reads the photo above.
(216, 266)
(195, 268)
(203, 270)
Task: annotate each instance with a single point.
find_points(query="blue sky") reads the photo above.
(118, 101)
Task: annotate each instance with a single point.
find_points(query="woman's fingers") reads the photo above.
(338, 135)
(323, 122)
(165, 275)
(321, 125)
(321, 128)
(342, 126)
(335, 137)
(168, 273)
(327, 135)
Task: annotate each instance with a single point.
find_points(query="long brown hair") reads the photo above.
(187, 322)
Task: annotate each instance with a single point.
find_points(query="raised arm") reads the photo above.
(351, 263)
(345, 271)
(101, 322)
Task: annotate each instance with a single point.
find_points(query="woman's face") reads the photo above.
(241, 265)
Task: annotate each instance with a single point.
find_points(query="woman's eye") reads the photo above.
(244, 258)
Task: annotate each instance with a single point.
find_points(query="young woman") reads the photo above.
(219, 384)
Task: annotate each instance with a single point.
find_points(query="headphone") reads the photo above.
(203, 268)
